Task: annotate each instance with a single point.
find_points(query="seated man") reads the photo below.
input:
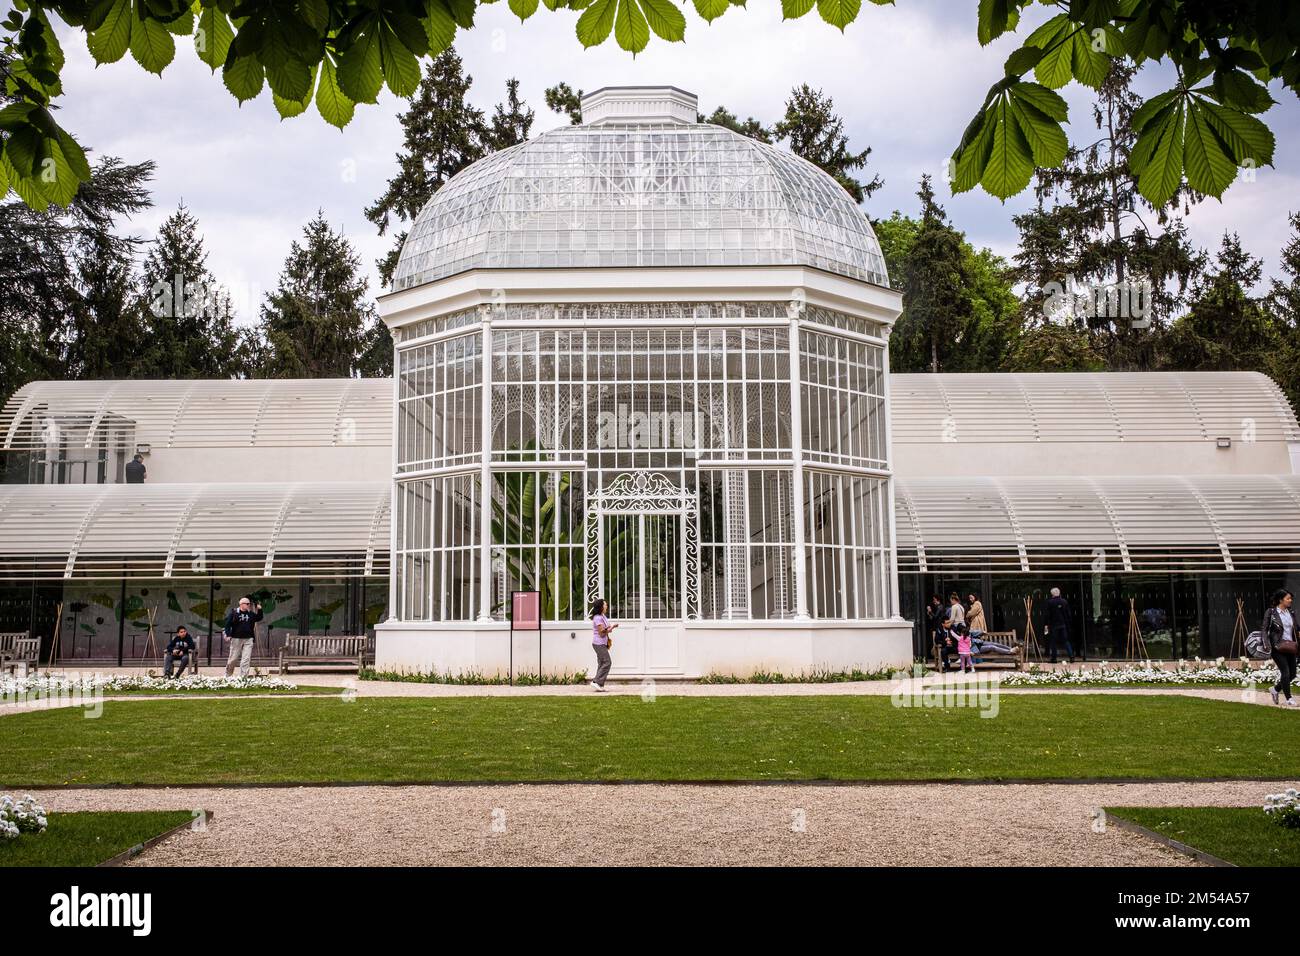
(179, 649)
(947, 645)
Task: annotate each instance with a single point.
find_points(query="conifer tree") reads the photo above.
(511, 122)
(443, 134)
(189, 322)
(935, 284)
(315, 324)
(1092, 233)
(816, 133)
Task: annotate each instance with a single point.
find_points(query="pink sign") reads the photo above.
(526, 611)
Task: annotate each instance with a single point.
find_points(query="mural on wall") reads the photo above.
(92, 612)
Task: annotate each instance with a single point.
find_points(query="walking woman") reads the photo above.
(1280, 635)
(601, 641)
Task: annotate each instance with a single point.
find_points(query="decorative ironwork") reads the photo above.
(643, 492)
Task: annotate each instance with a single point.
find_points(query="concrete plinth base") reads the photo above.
(690, 649)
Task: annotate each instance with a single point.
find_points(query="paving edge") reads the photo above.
(153, 841)
(1183, 848)
(634, 782)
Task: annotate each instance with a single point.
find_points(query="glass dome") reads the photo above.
(640, 188)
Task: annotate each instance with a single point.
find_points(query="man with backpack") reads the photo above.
(240, 628)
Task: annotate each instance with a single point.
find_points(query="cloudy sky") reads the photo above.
(906, 79)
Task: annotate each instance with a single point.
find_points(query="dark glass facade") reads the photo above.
(108, 621)
(1179, 616)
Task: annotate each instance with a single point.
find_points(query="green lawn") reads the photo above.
(1241, 835)
(87, 839)
(625, 738)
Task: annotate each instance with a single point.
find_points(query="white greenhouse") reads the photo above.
(643, 358)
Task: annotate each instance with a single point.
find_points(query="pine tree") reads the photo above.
(189, 323)
(749, 127)
(1226, 328)
(935, 284)
(44, 271)
(1283, 304)
(816, 133)
(108, 334)
(1089, 231)
(315, 324)
(511, 122)
(443, 135)
(994, 325)
(562, 99)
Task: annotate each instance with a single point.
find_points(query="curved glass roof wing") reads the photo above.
(259, 530)
(1089, 407)
(1108, 524)
(202, 413)
(621, 195)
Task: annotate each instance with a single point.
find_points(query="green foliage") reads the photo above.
(1194, 134)
(189, 318)
(1283, 303)
(511, 122)
(1089, 229)
(443, 134)
(1226, 328)
(315, 324)
(562, 98)
(529, 509)
(985, 339)
(816, 133)
(67, 303)
(934, 280)
(336, 53)
(750, 127)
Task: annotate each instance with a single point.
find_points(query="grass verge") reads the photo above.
(1244, 836)
(88, 839)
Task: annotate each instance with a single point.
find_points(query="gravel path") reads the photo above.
(663, 824)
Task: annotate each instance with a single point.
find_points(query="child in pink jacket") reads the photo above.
(964, 648)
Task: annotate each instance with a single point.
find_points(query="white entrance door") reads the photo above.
(644, 585)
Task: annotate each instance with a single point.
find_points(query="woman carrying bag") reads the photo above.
(1280, 638)
(601, 641)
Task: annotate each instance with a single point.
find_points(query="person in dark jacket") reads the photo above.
(1280, 625)
(937, 614)
(179, 649)
(136, 472)
(1058, 625)
(241, 627)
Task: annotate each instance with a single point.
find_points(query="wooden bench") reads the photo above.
(1016, 659)
(18, 650)
(312, 651)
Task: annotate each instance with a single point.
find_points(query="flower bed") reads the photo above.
(38, 685)
(1183, 673)
(20, 816)
(1284, 808)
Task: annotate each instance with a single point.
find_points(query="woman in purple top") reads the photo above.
(600, 641)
